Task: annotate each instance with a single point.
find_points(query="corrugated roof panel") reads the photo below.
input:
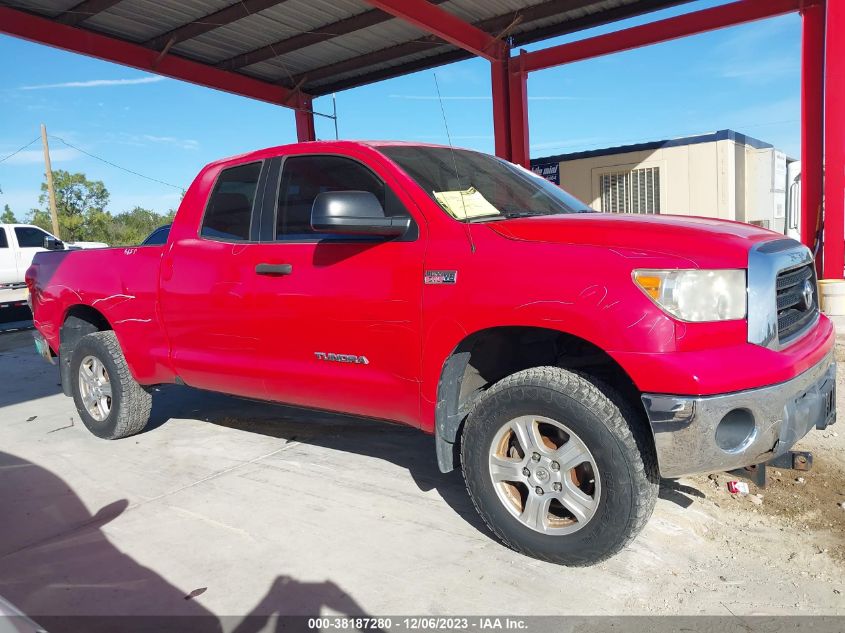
(396, 62)
(476, 10)
(354, 44)
(140, 20)
(50, 8)
(267, 27)
(572, 14)
(268, 71)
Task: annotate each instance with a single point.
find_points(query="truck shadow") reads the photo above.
(404, 446)
(59, 568)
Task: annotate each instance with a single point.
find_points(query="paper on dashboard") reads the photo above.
(465, 204)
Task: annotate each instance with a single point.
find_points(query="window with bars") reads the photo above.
(635, 191)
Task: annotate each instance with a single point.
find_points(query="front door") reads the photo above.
(338, 317)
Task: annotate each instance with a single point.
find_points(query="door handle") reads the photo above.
(274, 270)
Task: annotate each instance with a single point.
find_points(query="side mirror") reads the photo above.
(354, 213)
(53, 244)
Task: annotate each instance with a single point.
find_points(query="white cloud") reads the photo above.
(34, 156)
(96, 83)
(184, 143)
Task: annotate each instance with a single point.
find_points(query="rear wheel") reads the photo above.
(558, 467)
(110, 402)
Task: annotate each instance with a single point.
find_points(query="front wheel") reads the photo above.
(110, 402)
(558, 467)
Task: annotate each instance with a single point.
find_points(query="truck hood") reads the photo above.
(705, 242)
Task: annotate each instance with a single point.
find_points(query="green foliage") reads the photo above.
(80, 206)
(81, 209)
(132, 227)
(8, 216)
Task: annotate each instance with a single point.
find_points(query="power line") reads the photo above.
(18, 151)
(108, 162)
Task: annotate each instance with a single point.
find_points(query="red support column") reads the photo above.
(518, 88)
(812, 113)
(305, 121)
(501, 107)
(834, 144)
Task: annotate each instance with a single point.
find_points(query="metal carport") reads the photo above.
(287, 52)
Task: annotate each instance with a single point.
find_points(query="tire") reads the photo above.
(576, 418)
(127, 410)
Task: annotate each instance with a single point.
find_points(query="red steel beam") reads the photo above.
(44, 31)
(834, 144)
(812, 113)
(660, 31)
(518, 105)
(432, 19)
(305, 122)
(501, 107)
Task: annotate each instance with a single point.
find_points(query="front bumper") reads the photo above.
(699, 434)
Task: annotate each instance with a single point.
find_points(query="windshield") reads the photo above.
(471, 186)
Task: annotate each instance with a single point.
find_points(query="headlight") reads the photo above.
(696, 295)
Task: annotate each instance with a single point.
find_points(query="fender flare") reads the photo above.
(448, 415)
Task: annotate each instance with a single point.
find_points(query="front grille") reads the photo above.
(795, 313)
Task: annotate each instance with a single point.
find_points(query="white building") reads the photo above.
(723, 174)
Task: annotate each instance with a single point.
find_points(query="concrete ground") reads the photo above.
(226, 507)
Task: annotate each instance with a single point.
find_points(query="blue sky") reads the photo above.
(745, 78)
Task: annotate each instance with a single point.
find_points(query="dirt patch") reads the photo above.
(797, 501)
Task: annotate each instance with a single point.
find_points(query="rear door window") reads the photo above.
(4, 242)
(229, 212)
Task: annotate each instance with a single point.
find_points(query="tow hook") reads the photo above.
(791, 460)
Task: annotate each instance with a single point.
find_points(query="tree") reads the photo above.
(8, 216)
(80, 206)
(132, 227)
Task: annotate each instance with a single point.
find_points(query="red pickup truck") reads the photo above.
(564, 359)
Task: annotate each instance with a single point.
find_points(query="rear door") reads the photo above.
(339, 328)
(208, 299)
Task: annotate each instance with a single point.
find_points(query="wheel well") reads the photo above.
(79, 321)
(487, 356)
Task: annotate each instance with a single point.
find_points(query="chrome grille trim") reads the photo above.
(767, 262)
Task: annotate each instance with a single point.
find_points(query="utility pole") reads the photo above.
(49, 171)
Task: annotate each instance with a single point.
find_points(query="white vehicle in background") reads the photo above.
(18, 245)
(793, 200)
